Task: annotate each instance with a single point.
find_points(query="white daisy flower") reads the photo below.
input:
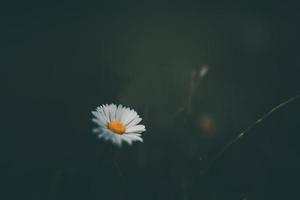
(118, 124)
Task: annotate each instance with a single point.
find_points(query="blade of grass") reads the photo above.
(250, 127)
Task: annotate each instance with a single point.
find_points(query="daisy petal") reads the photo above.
(99, 122)
(106, 112)
(136, 128)
(102, 135)
(96, 130)
(118, 140)
(126, 139)
(131, 116)
(134, 122)
(112, 111)
(134, 137)
(96, 114)
(119, 112)
(125, 114)
(101, 115)
(136, 134)
(103, 118)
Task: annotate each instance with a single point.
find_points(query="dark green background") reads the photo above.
(60, 60)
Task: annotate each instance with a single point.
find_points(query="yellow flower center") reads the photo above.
(116, 127)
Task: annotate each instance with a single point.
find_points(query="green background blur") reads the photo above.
(60, 60)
